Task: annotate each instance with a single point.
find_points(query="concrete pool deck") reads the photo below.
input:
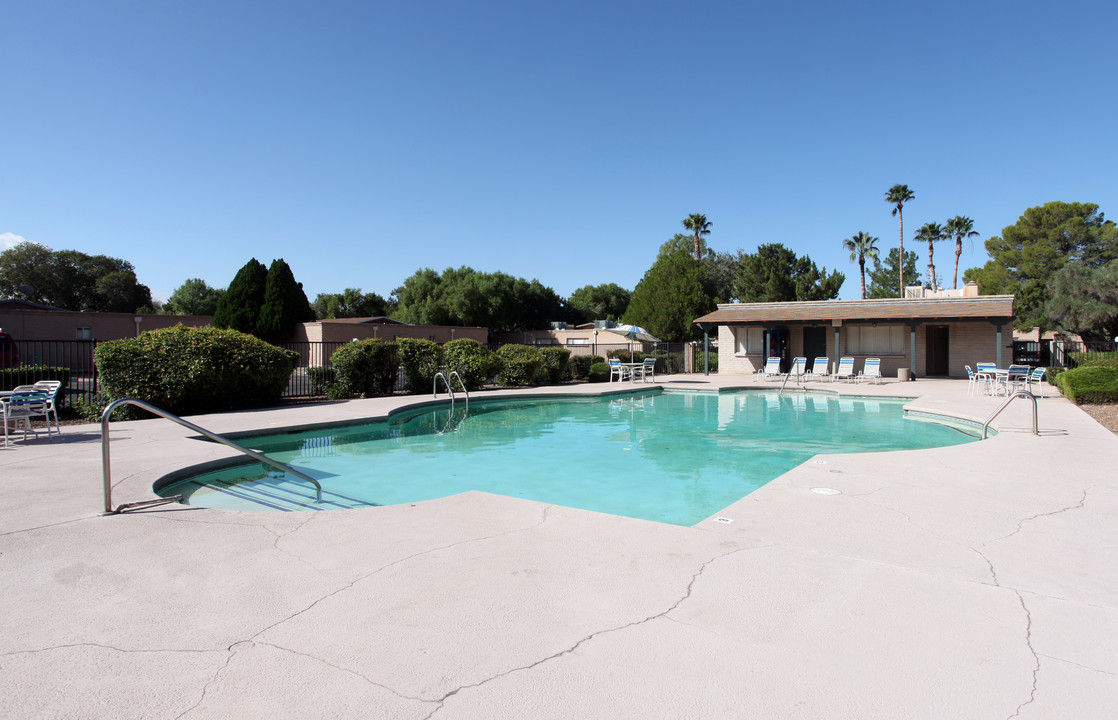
(975, 581)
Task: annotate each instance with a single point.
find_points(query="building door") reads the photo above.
(778, 347)
(815, 343)
(936, 362)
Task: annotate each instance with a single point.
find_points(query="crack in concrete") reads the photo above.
(350, 671)
(663, 614)
(1078, 506)
(1078, 665)
(1036, 657)
(69, 646)
(232, 651)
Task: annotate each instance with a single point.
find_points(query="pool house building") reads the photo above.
(914, 337)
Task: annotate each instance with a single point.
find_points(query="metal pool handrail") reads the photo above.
(449, 389)
(105, 472)
(1004, 405)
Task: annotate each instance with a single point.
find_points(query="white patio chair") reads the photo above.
(619, 370)
(21, 407)
(845, 370)
(51, 387)
(986, 375)
(647, 369)
(1036, 377)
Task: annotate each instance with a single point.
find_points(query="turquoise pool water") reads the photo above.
(672, 457)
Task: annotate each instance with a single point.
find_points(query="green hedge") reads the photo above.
(194, 370)
(554, 367)
(599, 372)
(13, 377)
(519, 364)
(578, 366)
(366, 368)
(473, 362)
(421, 360)
(1091, 384)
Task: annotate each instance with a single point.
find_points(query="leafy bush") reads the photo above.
(519, 364)
(91, 410)
(554, 365)
(473, 362)
(1051, 374)
(578, 366)
(13, 377)
(421, 359)
(194, 370)
(1091, 384)
(321, 378)
(366, 368)
(599, 372)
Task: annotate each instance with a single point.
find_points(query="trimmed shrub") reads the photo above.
(1052, 373)
(1091, 384)
(519, 364)
(366, 368)
(321, 378)
(599, 372)
(473, 362)
(421, 359)
(554, 365)
(13, 377)
(578, 366)
(194, 370)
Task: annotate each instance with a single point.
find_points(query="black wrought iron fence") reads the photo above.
(69, 361)
(1069, 353)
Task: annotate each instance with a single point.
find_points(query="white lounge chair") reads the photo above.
(771, 369)
(820, 369)
(51, 388)
(986, 374)
(845, 370)
(1035, 377)
(872, 371)
(24, 404)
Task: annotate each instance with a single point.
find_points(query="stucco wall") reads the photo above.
(24, 324)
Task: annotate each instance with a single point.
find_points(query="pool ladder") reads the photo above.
(449, 389)
(106, 475)
(1004, 405)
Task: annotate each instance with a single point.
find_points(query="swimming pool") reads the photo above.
(669, 457)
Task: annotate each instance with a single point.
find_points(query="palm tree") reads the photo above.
(931, 233)
(959, 227)
(861, 246)
(697, 224)
(898, 195)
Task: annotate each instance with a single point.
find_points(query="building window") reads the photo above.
(85, 334)
(880, 340)
(578, 341)
(546, 341)
(749, 341)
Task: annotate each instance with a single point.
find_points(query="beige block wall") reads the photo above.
(25, 324)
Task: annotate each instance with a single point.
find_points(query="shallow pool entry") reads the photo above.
(672, 457)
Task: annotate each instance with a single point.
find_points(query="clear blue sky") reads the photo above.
(560, 141)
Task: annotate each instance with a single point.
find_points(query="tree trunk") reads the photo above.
(958, 252)
(862, 270)
(697, 245)
(931, 268)
(900, 265)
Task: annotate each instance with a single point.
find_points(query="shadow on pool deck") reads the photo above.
(975, 581)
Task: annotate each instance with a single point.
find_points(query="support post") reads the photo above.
(998, 352)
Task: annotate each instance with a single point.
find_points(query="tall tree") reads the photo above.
(861, 246)
(1042, 241)
(885, 274)
(463, 296)
(350, 303)
(959, 227)
(775, 274)
(698, 225)
(239, 307)
(71, 280)
(1085, 300)
(672, 293)
(194, 297)
(897, 196)
(600, 302)
(931, 233)
(285, 304)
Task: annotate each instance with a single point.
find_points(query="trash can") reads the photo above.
(904, 374)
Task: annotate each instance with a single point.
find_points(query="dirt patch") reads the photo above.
(1105, 415)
